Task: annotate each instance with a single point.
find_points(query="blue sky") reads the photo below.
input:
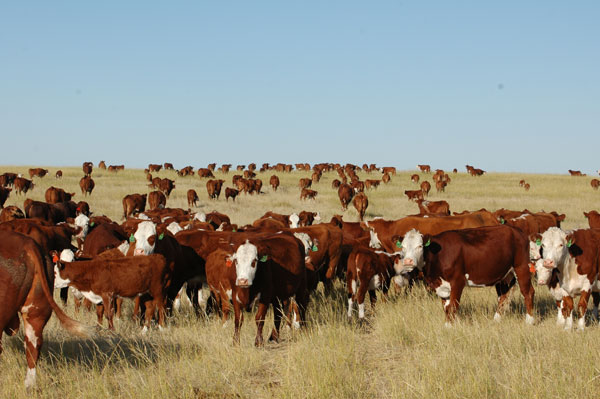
(505, 86)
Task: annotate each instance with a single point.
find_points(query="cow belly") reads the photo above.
(576, 283)
(92, 297)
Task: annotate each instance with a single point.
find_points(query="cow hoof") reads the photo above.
(497, 317)
(145, 330)
(448, 324)
(529, 320)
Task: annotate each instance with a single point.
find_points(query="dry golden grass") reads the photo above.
(402, 351)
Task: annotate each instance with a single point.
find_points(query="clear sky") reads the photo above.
(503, 85)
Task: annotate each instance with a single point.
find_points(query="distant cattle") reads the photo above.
(22, 185)
(192, 197)
(55, 195)
(168, 166)
(576, 173)
(360, 202)
(87, 168)
(166, 186)
(440, 186)
(386, 178)
(371, 183)
(274, 182)
(526, 186)
(521, 183)
(415, 178)
(225, 168)
(156, 200)
(213, 188)
(345, 194)
(154, 167)
(187, 171)
(37, 172)
(595, 183)
(205, 172)
(389, 170)
(414, 195)
(231, 193)
(58, 174)
(307, 194)
(433, 207)
(424, 168)
(115, 168)
(133, 203)
(87, 185)
(335, 183)
(305, 183)
(425, 187)
(102, 165)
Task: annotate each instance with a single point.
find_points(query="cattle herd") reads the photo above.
(155, 253)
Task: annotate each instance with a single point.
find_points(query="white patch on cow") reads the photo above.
(529, 319)
(306, 241)
(294, 219)
(569, 322)
(176, 303)
(124, 247)
(400, 281)
(295, 322)
(443, 291)
(67, 255)
(143, 216)
(446, 303)
(92, 297)
(228, 293)
(83, 222)
(497, 316)
(174, 228)
(374, 243)
(245, 259)
(581, 323)
(375, 282)
(30, 334)
(145, 330)
(237, 298)
(143, 232)
(76, 293)
(25, 309)
(412, 251)
(554, 244)
(30, 378)
(317, 217)
(349, 307)
(361, 310)
(354, 287)
(59, 282)
(201, 217)
(470, 283)
(221, 227)
(560, 318)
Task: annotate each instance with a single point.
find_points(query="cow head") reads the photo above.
(412, 249)
(535, 247)
(554, 247)
(293, 220)
(144, 238)
(245, 259)
(66, 255)
(83, 222)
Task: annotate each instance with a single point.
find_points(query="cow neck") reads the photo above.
(78, 273)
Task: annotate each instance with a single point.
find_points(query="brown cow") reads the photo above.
(526, 186)
(308, 194)
(595, 183)
(115, 168)
(37, 172)
(58, 174)
(192, 197)
(231, 193)
(388, 170)
(156, 200)
(440, 186)
(166, 186)
(54, 213)
(168, 166)
(305, 183)
(87, 185)
(87, 168)
(593, 218)
(415, 178)
(521, 183)
(414, 195)
(55, 195)
(386, 178)
(477, 257)
(425, 187)
(424, 168)
(133, 203)
(335, 183)
(213, 188)
(345, 194)
(25, 280)
(7, 179)
(248, 174)
(360, 202)
(11, 212)
(205, 172)
(4, 193)
(102, 165)
(274, 182)
(22, 185)
(154, 167)
(433, 207)
(370, 183)
(225, 168)
(187, 171)
(576, 173)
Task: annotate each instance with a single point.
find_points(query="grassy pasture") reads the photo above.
(402, 351)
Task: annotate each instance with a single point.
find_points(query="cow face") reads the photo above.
(535, 247)
(554, 247)
(542, 272)
(374, 242)
(411, 250)
(65, 256)
(294, 219)
(83, 222)
(309, 245)
(145, 238)
(245, 259)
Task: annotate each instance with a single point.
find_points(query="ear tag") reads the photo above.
(131, 238)
(428, 242)
(532, 268)
(399, 244)
(92, 224)
(55, 259)
(228, 263)
(538, 242)
(502, 221)
(161, 236)
(233, 230)
(314, 248)
(569, 243)
(264, 258)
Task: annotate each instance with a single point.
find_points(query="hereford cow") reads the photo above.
(595, 183)
(576, 173)
(166, 186)
(133, 203)
(192, 198)
(231, 193)
(274, 182)
(386, 178)
(55, 195)
(478, 257)
(154, 167)
(168, 166)
(440, 186)
(424, 168)
(115, 168)
(345, 194)
(308, 194)
(433, 207)
(360, 202)
(87, 168)
(53, 213)
(7, 179)
(22, 185)
(414, 195)
(415, 178)
(156, 200)
(37, 172)
(425, 187)
(25, 278)
(205, 172)
(213, 188)
(87, 185)
(593, 218)
(102, 165)
(305, 183)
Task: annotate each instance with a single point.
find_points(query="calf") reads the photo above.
(106, 279)
(231, 193)
(386, 178)
(192, 197)
(156, 200)
(274, 182)
(308, 194)
(478, 257)
(361, 202)
(133, 203)
(414, 195)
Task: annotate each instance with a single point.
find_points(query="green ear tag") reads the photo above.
(502, 220)
(92, 224)
(161, 236)
(314, 248)
(569, 243)
(538, 242)
(233, 230)
(399, 244)
(264, 258)
(428, 242)
(131, 238)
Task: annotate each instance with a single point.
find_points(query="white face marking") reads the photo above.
(412, 250)
(144, 231)
(200, 217)
(30, 378)
(534, 251)
(543, 273)
(294, 219)
(245, 259)
(174, 228)
(83, 222)
(554, 244)
(443, 291)
(374, 243)
(59, 282)
(318, 217)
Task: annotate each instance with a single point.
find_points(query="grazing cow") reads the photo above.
(414, 195)
(433, 207)
(225, 168)
(389, 170)
(367, 271)
(521, 183)
(305, 183)
(576, 173)
(415, 178)
(116, 168)
(87, 185)
(360, 202)
(11, 213)
(593, 218)
(166, 186)
(102, 165)
(205, 172)
(156, 200)
(87, 168)
(274, 182)
(4, 193)
(37, 172)
(22, 185)
(308, 194)
(335, 183)
(55, 195)
(211, 166)
(231, 193)
(213, 188)
(133, 203)
(478, 257)
(104, 279)
(386, 178)
(575, 257)
(595, 183)
(187, 171)
(345, 194)
(425, 187)
(370, 183)
(168, 166)
(53, 213)
(424, 168)
(154, 167)
(440, 186)
(24, 284)
(59, 174)
(192, 197)
(526, 186)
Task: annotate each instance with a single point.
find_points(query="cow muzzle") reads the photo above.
(138, 251)
(408, 262)
(548, 263)
(242, 282)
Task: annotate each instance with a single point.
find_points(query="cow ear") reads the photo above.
(536, 237)
(587, 215)
(397, 240)
(570, 240)
(54, 256)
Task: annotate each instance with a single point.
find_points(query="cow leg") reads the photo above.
(148, 314)
(372, 298)
(100, 312)
(527, 290)
(118, 307)
(560, 319)
(277, 316)
(502, 290)
(64, 295)
(596, 299)
(238, 320)
(107, 300)
(224, 309)
(451, 304)
(582, 308)
(77, 303)
(360, 296)
(159, 304)
(567, 310)
(260, 322)
(34, 320)
(88, 304)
